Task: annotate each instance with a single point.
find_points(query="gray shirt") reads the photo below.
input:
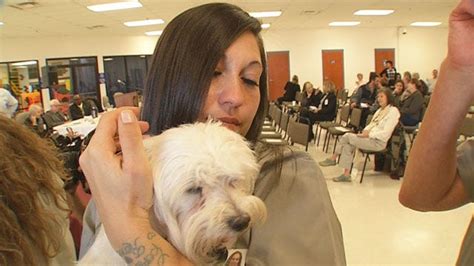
(301, 228)
(466, 172)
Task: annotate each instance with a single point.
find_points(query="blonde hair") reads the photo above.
(329, 86)
(30, 197)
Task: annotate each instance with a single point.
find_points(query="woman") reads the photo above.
(34, 228)
(398, 92)
(235, 259)
(223, 77)
(311, 96)
(291, 88)
(325, 110)
(412, 106)
(406, 77)
(374, 137)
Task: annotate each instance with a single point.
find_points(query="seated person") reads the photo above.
(311, 96)
(34, 121)
(397, 92)
(412, 106)
(366, 93)
(327, 108)
(54, 117)
(291, 88)
(374, 137)
(35, 224)
(76, 109)
(365, 96)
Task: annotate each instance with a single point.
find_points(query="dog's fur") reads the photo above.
(204, 175)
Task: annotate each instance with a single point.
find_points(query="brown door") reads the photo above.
(381, 56)
(333, 67)
(278, 73)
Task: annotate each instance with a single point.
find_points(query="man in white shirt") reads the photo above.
(8, 103)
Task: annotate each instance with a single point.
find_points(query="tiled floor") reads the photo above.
(378, 230)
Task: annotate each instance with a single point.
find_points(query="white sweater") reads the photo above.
(383, 129)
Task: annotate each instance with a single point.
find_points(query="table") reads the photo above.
(81, 126)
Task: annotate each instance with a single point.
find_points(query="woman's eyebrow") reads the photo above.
(254, 63)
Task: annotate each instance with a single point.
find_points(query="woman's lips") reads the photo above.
(230, 123)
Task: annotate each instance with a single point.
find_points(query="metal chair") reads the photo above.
(298, 133)
(344, 113)
(354, 123)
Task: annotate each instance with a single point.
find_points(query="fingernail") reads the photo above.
(127, 116)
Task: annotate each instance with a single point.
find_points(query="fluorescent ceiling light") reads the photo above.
(154, 33)
(265, 25)
(344, 23)
(146, 22)
(373, 12)
(108, 59)
(1, 23)
(266, 14)
(114, 6)
(25, 63)
(425, 24)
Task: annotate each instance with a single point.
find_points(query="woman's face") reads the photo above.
(398, 88)
(411, 87)
(235, 259)
(382, 99)
(309, 88)
(234, 94)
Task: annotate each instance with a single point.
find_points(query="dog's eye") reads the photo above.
(194, 190)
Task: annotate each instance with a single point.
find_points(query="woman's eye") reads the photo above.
(217, 73)
(194, 190)
(250, 82)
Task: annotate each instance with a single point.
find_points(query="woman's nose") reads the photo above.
(233, 92)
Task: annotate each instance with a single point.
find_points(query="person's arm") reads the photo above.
(122, 186)
(12, 104)
(431, 181)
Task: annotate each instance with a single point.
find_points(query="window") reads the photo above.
(21, 78)
(77, 75)
(125, 74)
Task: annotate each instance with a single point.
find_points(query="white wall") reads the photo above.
(419, 50)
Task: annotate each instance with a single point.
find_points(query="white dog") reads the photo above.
(204, 175)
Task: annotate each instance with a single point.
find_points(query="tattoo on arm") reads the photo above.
(137, 254)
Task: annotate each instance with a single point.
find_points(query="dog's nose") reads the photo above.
(221, 254)
(239, 223)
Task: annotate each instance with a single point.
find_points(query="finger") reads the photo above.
(130, 137)
(107, 128)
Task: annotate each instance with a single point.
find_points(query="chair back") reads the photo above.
(277, 112)
(355, 117)
(298, 132)
(127, 99)
(344, 115)
(284, 121)
(21, 117)
(299, 96)
(467, 128)
(369, 119)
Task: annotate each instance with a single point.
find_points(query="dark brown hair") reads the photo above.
(415, 82)
(31, 197)
(184, 62)
(388, 93)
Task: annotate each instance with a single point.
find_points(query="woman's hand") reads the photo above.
(122, 187)
(461, 36)
(364, 134)
(121, 184)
